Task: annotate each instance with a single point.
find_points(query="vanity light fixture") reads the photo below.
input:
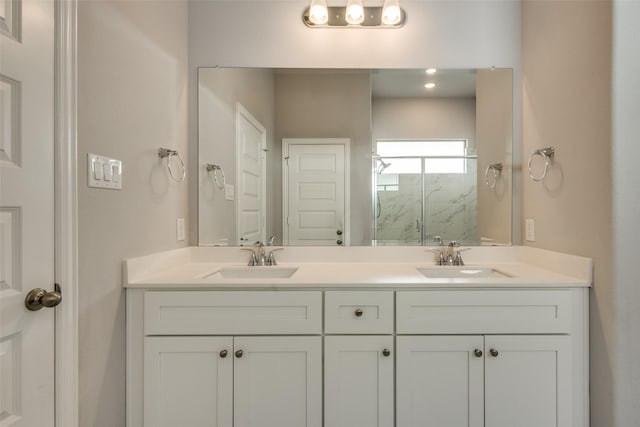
(354, 15)
(430, 71)
(430, 85)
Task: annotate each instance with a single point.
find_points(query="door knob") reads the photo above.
(38, 298)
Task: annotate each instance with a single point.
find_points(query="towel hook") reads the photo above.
(215, 168)
(547, 154)
(497, 171)
(165, 152)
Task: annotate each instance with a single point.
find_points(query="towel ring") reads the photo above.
(165, 152)
(547, 154)
(497, 171)
(215, 168)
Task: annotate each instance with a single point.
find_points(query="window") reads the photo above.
(439, 156)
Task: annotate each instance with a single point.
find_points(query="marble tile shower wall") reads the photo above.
(451, 202)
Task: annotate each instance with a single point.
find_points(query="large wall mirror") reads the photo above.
(354, 157)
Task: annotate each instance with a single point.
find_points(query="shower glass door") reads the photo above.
(430, 193)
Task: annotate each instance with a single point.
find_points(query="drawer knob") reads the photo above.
(386, 352)
(477, 353)
(223, 353)
(239, 353)
(494, 352)
(358, 312)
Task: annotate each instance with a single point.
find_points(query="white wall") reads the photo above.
(566, 72)
(626, 207)
(219, 91)
(132, 99)
(443, 34)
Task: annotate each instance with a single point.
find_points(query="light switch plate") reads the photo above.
(229, 192)
(104, 172)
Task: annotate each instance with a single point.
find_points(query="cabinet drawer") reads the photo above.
(233, 313)
(358, 312)
(483, 312)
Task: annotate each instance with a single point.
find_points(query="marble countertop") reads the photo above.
(195, 268)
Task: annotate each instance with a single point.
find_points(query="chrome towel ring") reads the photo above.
(547, 154)
(497, 171)
(215, 168)
(165, 152)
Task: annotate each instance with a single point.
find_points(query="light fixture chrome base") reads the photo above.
(372, 19)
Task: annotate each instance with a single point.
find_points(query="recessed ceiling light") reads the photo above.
(430, 85)
(431, 71)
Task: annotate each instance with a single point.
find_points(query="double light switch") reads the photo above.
(104, 172)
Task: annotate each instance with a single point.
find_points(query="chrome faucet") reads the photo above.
(448, 255)
(259, 257)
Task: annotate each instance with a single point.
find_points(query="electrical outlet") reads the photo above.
(530, 230)
(180, 232)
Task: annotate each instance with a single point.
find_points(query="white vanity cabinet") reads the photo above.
(359, 368)
(265, 372)
(331, 357)
(497, 377)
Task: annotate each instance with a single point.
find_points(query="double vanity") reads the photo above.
(357, 336)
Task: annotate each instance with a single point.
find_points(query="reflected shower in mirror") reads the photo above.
(354, 157)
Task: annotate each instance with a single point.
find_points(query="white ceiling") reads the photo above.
(389, 83)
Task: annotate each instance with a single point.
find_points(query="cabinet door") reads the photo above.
(358, 388)
(528, 381)
(439, 381)
(188, 381)
(278, 382)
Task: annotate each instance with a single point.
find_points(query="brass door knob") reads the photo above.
(386, 352)
(239, 353)
(494, 352)
(358, 312)
(477, 353)
(224, 353)
(38, 298)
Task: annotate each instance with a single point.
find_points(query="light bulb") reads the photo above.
(431, 71)
(391, 13)
(355, 12)
(318, 13)
(430, 85)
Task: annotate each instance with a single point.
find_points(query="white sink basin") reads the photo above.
(445, 272)
(254, 273)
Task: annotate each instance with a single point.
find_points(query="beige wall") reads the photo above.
(132, 81)
(494, 135)
(219, 91)
(566, 63)
(626, 207)
(321, 105)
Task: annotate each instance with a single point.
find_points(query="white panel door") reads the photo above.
(188, 381)
(278, 382)
(439, 381)
(528, 381)
(26, 211)
(251, 202)
(315, 194)
(358, 387)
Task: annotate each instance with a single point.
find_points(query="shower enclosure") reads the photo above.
(430, 190)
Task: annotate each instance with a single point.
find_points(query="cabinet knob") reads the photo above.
(358, 312)
(477, 353)
(339, 242)
(494, 352)
(223, 353)
(339, 232)
(239, 353)
(386, 352)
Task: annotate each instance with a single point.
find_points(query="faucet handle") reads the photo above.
(458, 260)
(272, 259)
(253, 260)
(454, 244)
